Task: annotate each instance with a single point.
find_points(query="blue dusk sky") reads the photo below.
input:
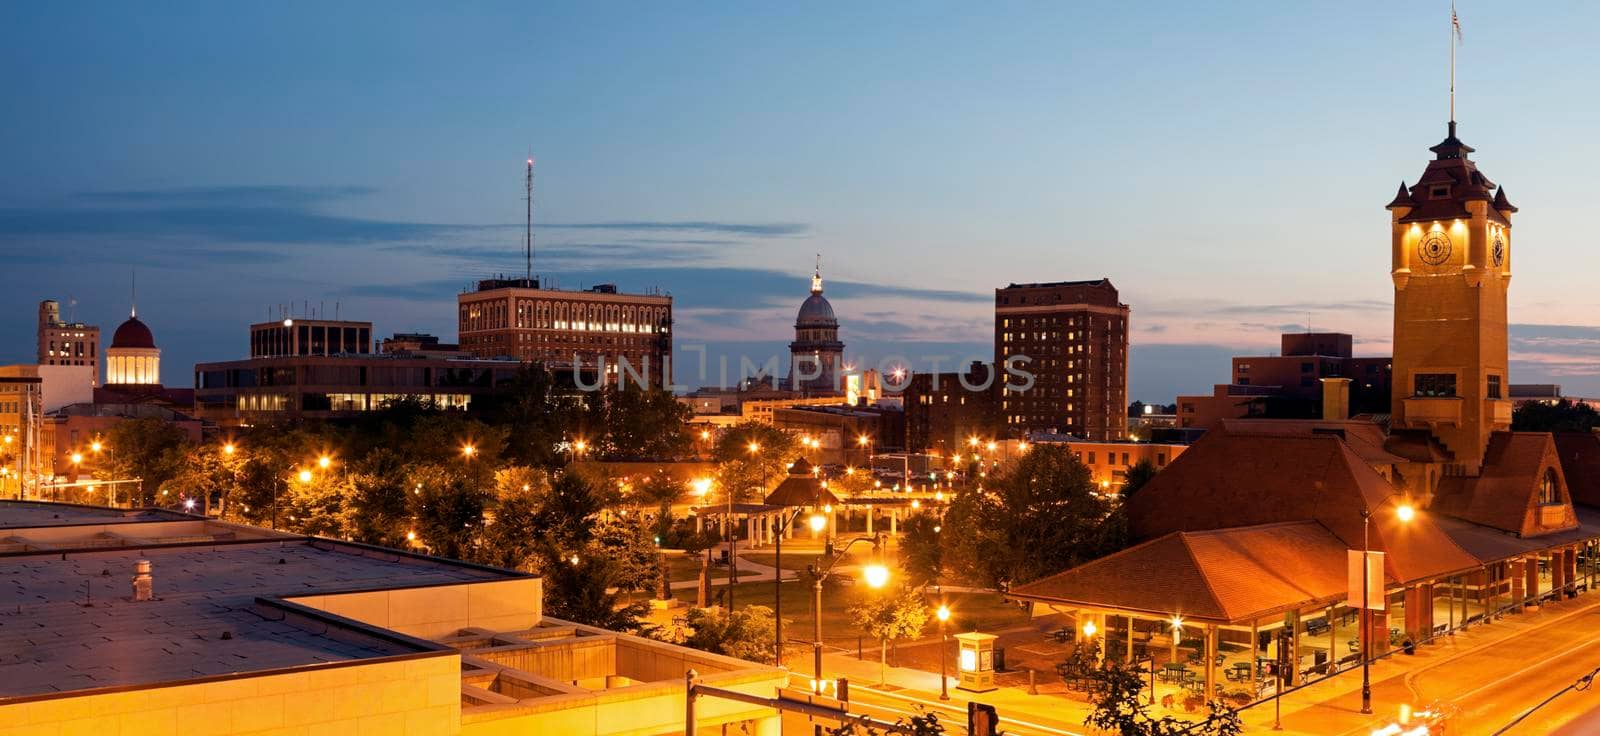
(1226, 165)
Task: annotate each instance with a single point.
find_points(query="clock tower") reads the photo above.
(1451, 265)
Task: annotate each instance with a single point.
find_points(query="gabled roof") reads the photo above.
(1221, 576)
(1233, 477)
(1504, 495)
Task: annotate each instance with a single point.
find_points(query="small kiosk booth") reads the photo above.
(976, 661)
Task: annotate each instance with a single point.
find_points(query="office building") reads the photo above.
(293, 336)
(599, 330)
(67, 343)
(1072, 336)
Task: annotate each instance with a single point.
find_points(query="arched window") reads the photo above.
(1549, 490)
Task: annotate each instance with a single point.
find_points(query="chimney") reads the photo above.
(142, 581)
(1335, 399)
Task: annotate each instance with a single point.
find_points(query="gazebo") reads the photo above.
(802, 489)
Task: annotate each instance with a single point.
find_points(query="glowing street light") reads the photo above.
(77, 457)
(228, 448)
(95, 446)
(876, 575)
(468, 451)
(324, 462)
(701, 486)
(817, 522)
(305, 476)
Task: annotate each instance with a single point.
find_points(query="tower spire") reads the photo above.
(527, 237)
(1455, 40)
(133, 293)
(816, 277)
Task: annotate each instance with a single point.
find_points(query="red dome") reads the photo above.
(133, 334)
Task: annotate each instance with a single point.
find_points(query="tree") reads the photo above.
(1118, 708)
(209, 473)
(630, 541)
(319, 506)
(512, 540)
(746, 633)
(641, 424)
(921, 723)
(888, 618)
(578, 589)
(1043, 514)
(752, 458)
(922, 549)
(146, 448)
(448, 502)
(1561, 416)
(1138, 475)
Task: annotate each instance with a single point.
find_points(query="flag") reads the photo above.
(1455, 22)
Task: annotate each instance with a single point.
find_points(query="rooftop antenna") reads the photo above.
(527, 238)
(1455, 40)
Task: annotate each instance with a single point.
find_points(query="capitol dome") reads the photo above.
(133, 334)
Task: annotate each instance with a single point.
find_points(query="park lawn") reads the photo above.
(687, 567)
(970, 611)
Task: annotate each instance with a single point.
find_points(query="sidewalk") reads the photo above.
(1330, 706)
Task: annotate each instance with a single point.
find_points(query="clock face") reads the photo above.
(1498, 250)
(1434, 248)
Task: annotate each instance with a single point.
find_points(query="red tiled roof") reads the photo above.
(1233, 477)
(1504, 494)
(1222, 576)
(1364, 437)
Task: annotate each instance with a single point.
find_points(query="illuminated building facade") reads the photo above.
(1073, 337)
(816, 357)
(67, 343)
(599, 330)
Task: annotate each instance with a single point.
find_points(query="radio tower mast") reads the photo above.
(527, 238)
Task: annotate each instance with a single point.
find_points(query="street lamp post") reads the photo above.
(1404, 512)
(875, 575)
(777, 587)
(943, 614)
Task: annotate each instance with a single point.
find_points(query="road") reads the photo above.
(1494, 684)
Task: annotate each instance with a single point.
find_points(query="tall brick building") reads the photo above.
(67, 343)
(582, 329)
(1074, 335)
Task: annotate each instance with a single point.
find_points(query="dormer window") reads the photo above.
(1549, 491)
(1439, 192)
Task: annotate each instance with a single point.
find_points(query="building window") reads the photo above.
(1434, 385)
(1494, 387)
(1307, 367)
(1549, 490)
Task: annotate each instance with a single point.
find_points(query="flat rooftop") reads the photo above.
(30, 514)
(68, 621)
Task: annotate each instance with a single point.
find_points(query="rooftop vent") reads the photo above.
(142, 583)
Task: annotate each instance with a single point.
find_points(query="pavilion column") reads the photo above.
(1519, 579)
(1211, 661)
(1570, 555)
(1558, 571)
(894, 522)
(1292, 620)
(869, 521)
(1127, 656)
(1255, 654)
(699, 524)
(1531, 572)
(1333, 642)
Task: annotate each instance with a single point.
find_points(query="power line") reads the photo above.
(1580, 685)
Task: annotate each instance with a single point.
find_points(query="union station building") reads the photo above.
(1244, 543)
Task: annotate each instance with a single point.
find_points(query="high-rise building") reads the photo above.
(1072, 336)
(1451, 265)
(599, 330)
(816, 356)
(67, 343)
(944, 410)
